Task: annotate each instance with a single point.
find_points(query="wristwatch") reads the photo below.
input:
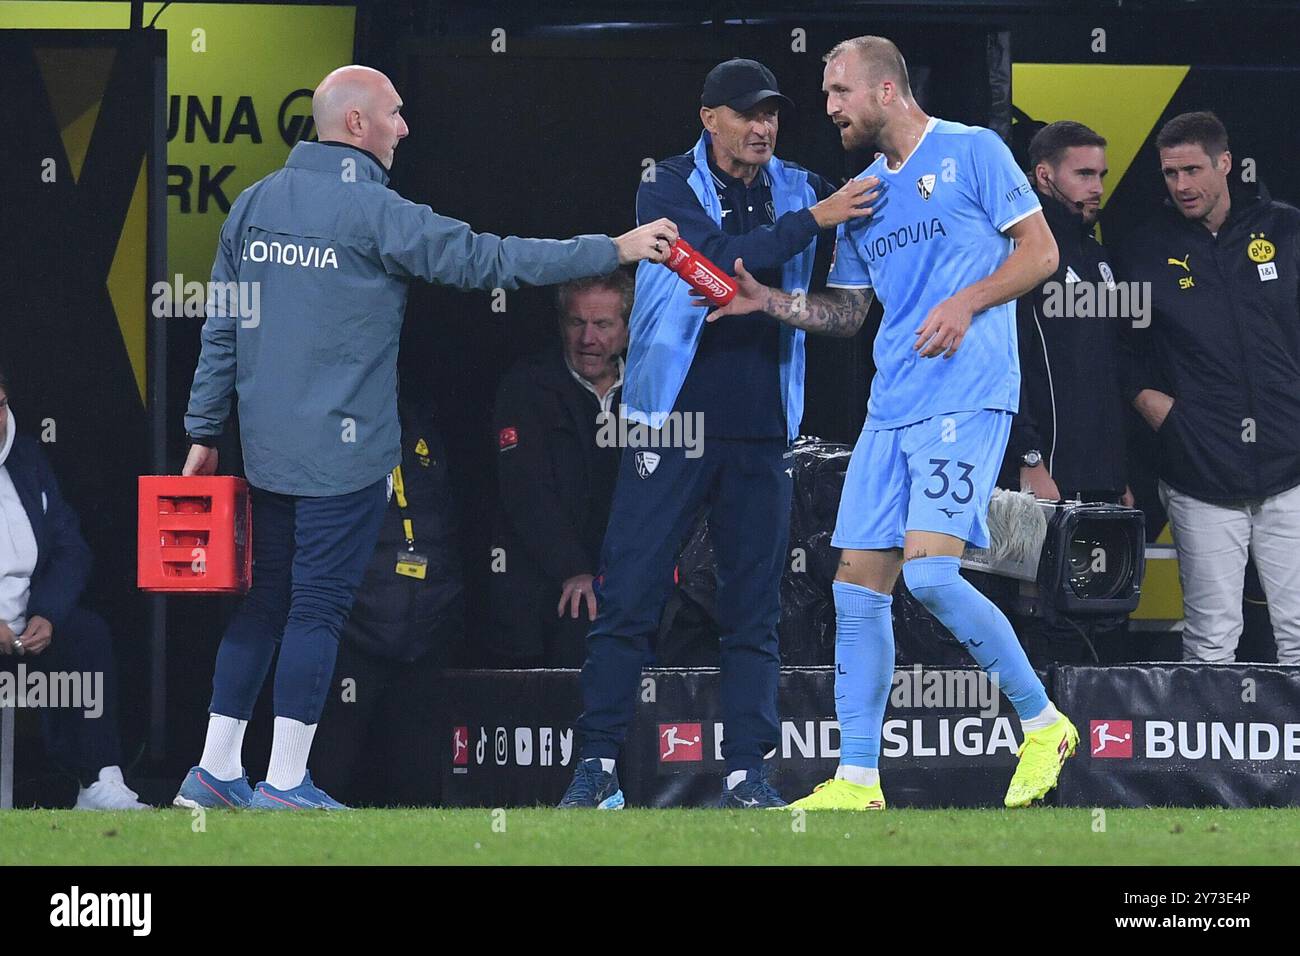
(201, 440)
(1032, 458)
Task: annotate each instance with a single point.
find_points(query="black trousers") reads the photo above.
(73, 739)
(748, 489)
(377, 744)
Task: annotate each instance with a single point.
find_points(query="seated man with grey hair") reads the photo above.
(556, 477)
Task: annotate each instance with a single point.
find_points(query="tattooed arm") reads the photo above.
(838, 312)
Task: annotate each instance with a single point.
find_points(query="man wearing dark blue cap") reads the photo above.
(722, 402)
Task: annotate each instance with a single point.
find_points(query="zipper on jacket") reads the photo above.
(1247, 363)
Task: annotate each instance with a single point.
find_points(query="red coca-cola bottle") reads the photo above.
(701, 274)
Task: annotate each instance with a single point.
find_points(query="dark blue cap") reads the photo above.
(740, 84)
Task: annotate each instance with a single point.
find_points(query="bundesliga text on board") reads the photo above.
(1256, 741)
(699, 742)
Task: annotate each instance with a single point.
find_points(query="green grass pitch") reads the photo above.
(1041, 835)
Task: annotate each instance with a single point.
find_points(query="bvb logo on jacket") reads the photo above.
(1262, 253)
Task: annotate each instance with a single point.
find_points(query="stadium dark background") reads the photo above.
(549, 138)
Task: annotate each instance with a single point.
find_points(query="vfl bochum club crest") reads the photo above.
(646, 463)
(925, 185)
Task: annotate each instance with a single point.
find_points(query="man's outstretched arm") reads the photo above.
(415, 242)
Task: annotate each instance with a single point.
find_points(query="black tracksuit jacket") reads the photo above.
(1224, 341)
(1071, 405)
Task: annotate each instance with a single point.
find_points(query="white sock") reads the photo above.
(607, 764)
(862, 776)
(290, 746)
(735, 777)
(223, 748)
(1044, 719)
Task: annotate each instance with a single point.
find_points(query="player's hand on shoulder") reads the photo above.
(943, 329)
(856, 199)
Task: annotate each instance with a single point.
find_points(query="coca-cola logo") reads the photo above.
(702, 277)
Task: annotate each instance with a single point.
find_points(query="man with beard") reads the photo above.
(939, 253)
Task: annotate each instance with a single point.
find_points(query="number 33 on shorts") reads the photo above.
(936, 474)
(962, 489)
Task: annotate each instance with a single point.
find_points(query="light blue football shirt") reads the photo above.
(939, 228)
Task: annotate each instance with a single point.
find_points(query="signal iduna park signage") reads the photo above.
(239, 85)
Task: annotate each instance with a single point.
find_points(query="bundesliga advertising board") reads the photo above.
(734, 435)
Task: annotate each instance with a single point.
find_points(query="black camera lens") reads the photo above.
(1100, 560)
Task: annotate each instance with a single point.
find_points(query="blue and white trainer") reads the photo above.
(593, 788)
(202, 789)
(305, 796)
(752, 793)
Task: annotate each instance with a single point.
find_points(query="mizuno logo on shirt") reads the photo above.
(290, 254)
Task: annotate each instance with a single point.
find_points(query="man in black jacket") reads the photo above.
(1064, 442)
(1216, 375)
(556, 479)
(407, 623)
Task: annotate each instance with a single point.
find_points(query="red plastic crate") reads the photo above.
(195, 534)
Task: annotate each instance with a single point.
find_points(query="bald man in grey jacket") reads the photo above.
(304, 313)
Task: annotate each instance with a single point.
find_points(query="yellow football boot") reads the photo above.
(1042, 755)
(842, 795)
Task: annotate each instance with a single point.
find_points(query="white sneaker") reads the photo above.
(109, 792)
